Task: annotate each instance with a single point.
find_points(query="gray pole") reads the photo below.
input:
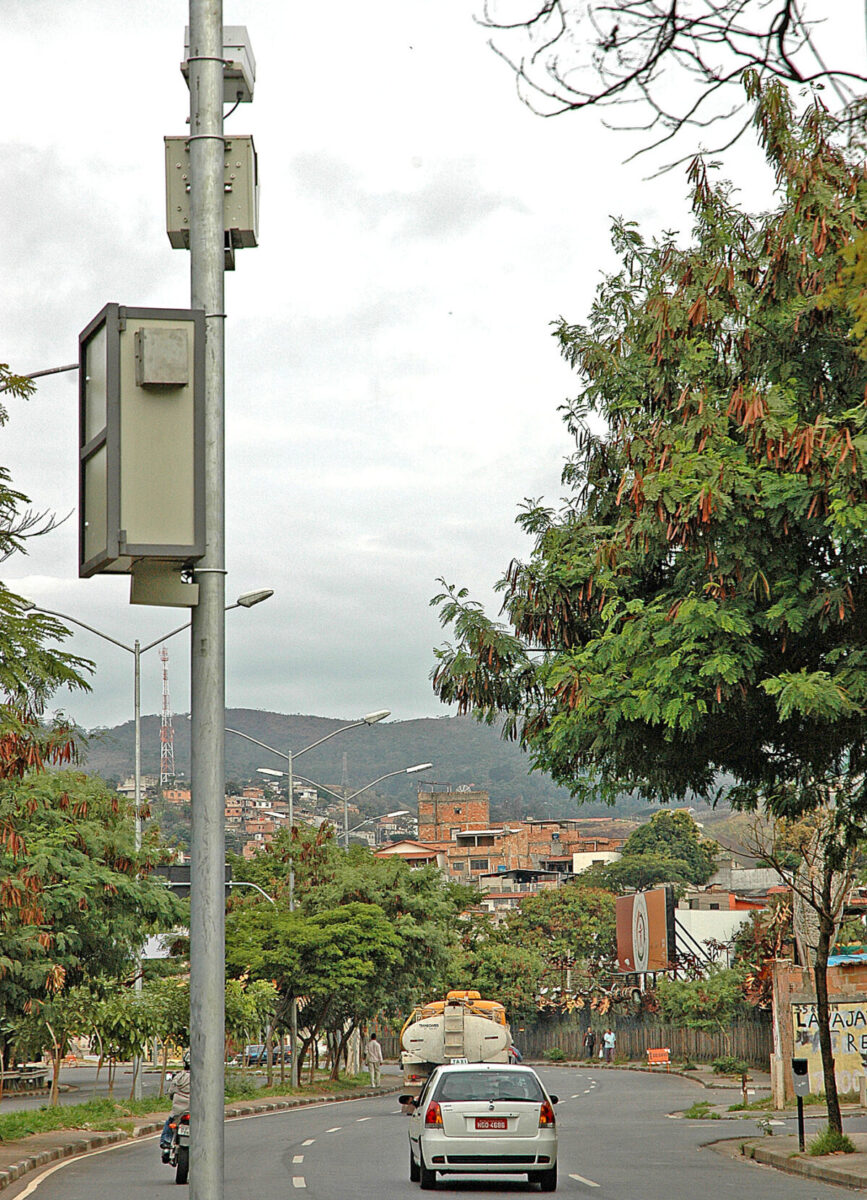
(207, 675)
(293, 1009)
(137, 1063)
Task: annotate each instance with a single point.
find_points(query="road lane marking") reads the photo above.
(581, 1179)
(299, 1181)
(363, 1118)
(334, 1129)
(298, 1158)
(309, 1142)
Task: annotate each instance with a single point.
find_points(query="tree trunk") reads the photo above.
(55, 1074)
(165, 1067)
(269, 1055)
(823, 1014)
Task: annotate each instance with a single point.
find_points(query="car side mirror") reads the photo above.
(408, 1100)
(554, 1099)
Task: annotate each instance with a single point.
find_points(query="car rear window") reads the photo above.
(489, 1085)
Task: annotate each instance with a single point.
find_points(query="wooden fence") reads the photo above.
(751, 1040)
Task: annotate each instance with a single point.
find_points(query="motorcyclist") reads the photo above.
(179, 1090)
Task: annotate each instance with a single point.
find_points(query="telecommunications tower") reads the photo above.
(167, 733)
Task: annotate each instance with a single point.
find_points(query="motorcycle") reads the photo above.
(179, 1147)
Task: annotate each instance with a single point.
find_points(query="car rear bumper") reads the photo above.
(494, 1155)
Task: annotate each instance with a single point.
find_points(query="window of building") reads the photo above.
(454, 833)
(714, 907)
(458, 810)
(478, 864)
(458, 866)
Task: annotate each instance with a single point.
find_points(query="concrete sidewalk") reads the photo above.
(845, 1170)
(41, 1149)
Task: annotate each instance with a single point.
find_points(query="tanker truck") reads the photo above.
(461, 1028)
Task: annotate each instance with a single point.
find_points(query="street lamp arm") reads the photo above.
(334, 732)
(166, 636)
(246, 883)
(50, 612)
(256, 742)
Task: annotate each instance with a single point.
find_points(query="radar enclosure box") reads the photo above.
(239, 69)
(141, 442)
(240, 192)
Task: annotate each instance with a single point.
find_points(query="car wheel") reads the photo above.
(413, 1169)
(427, 1179)
(182, 1169)
(548, 1179)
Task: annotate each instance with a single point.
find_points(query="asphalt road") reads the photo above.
(618, 1141)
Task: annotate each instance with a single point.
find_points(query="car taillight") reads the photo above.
(434, 1114)
(546, 1114)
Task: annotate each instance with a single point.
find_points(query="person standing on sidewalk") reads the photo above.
(589, 1042)
(374, 1060)
(608, 1043)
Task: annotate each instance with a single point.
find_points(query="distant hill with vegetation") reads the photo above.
(464, 753)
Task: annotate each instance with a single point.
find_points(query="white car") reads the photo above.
(483, 1118)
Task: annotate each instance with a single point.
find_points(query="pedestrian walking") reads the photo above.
(589, 1042)
(609, 1041)
(374, 1060)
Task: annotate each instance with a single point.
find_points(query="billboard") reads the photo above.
(645, 931)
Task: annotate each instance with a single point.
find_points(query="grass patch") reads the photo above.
(95, 1114)
(701, 1111)
(820, 1098)
(106, 1115)
(829, 1142)
(752, 1105)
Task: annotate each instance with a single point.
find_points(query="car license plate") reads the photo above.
(183, 1133)
(491, 1123)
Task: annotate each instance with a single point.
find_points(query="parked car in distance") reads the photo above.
(257, 1056)
(482, 1119)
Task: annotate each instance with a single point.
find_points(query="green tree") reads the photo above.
(505, 971)
(675, 835)
(707, 1003)
(637, 872)
(697, 606)
(74, 904)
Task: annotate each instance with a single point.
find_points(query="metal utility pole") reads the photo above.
(207, 682)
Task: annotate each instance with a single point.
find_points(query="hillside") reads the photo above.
(462, 751)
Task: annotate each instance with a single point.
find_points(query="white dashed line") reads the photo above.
(362, 1118)
(335, 1129)
(309, 1142)
(299, 1181)
(299, 1158)
(581, 1179)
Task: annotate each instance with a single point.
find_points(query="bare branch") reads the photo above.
(569, 55)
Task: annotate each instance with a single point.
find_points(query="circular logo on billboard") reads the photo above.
(640, 932)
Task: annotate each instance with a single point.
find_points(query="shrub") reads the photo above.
(727, 1064)
(827, 1141)
(555, 1054)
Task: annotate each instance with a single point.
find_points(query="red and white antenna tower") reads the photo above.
(167, 733)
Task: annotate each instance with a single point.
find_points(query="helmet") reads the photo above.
(186, 1060)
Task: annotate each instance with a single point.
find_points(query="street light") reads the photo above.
(400, 812)
(346, 799)
(245, 600)
(370, 719)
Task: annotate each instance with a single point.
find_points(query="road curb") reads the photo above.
(15, 1171)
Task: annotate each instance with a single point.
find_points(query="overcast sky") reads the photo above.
(392, 382)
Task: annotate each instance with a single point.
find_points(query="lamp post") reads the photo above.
(245, 600)
(370, 719)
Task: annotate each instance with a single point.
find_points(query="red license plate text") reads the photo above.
(491, 1123)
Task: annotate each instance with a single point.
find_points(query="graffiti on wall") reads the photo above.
(848, 1042)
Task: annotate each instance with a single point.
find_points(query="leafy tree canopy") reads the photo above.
(73, 906)
(698, 604)
(675, 835)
